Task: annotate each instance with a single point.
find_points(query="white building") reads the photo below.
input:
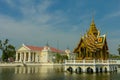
(71, 55)
(27, 53)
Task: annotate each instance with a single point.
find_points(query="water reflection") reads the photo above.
(85, 76)
(50, 73)
(37, 69)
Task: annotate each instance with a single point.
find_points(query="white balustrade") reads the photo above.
(92, 62)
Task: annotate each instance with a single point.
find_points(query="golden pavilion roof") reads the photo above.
(92, 39)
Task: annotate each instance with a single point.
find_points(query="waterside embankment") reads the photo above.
(28, 64)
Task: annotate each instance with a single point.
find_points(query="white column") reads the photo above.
(38, 57)
(84, 69)
(24, 56)
(20, 57)
(74, 68)
(29, 57)
(33, 57)
(16, 57)
(94, 68)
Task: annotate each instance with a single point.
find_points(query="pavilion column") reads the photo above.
(29, 57)
(16, 57)
(24, 56)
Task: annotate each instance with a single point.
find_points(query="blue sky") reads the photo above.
(58, 22)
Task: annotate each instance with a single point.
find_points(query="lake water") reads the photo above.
(51, 73)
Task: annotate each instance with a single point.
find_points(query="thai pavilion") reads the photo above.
(91, 53)
(92, 45)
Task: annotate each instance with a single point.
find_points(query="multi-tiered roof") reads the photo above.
(92, 40)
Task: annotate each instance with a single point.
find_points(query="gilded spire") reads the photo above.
(93, 30)
(92, 23)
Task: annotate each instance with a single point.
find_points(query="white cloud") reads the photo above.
(27, 32)
(115, 14)
(111, 15)
(37, 25)
(10, 3)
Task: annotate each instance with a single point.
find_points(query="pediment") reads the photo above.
(23, 48)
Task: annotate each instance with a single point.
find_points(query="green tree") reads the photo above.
(113, 56)
(64, 57)
(58, 57)
(61, 58)
(8, 50)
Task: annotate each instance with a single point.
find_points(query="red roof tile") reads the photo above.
(56, 50)
(35, 48)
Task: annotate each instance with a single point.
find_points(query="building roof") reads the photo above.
(56, 50)
(92, 39)
(36, 48)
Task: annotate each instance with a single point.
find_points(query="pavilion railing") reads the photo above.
(92, 61)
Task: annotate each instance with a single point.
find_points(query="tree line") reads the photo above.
(8, 52)
(113, 56)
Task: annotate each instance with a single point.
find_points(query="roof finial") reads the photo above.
(23, 44)
(93, 13)
(92, 23)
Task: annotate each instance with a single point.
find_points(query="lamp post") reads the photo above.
(118, 49)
